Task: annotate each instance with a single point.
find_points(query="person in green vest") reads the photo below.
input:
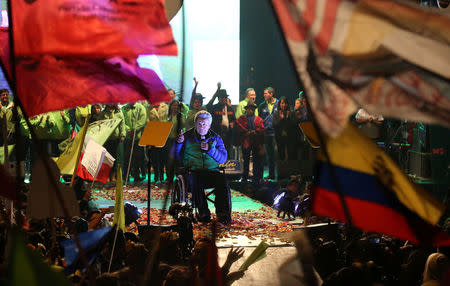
(135, 116)
(114, 144)
(52, 128)
(250, 97)
(6, 118)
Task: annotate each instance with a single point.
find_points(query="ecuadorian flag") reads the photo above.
(379, 196)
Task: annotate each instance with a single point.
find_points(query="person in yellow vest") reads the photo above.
(6, 118)
(135, 116)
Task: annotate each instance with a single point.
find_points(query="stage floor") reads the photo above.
(253, 221)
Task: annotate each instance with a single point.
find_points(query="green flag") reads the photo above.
(2, 152)
(119, 211)
(257, 254)
(101, 130)
(26, 267)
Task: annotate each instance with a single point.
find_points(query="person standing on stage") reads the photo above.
(135, 119)
(223, 116)
(250, 130)
(266, 111)
(250, 97)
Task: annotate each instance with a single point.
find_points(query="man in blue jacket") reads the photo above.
(266, 111)
(201, 151)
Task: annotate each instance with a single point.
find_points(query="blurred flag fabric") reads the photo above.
(119, 209)
(26, 267)
(92, 242)
(95, 162)
(49, 83)
(379, 196)
(387, 57)
(88, 28)
(67, 161)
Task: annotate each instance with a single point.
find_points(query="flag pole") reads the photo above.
(86, 122)
(113, 247)
(53, 181)
(132, 148)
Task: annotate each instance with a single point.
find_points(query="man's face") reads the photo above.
(267, 95)
(298, 103)
(202, 126)
(250, 112)
(251, 97)
(197, 104)
(172, 94)
(4, 98)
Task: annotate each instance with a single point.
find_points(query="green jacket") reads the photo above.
(112, 114)
(159, 114)
(42, 125)
(81, 112)
(240, 109)
(61, 128)
(6, 113)
(135, 118)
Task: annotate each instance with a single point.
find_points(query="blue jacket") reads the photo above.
(194, 158)
(263, 111)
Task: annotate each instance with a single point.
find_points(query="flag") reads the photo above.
(258, 253)
(67, 161)
(100, 130)
(119, 210)
(96, 162)
(42, 199)
(26, 267)
(380, 198)
(399, 69)
(48, 83)
(8, 189)
(92, 242)
(100, 28)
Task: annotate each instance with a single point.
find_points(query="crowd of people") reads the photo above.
(246, 128)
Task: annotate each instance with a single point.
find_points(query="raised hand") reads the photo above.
(219, 85)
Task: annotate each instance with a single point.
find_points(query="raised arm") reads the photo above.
(210, 103)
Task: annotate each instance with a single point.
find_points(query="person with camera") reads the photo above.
(200, 151)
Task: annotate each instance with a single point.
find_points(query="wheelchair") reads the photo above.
(182, 193)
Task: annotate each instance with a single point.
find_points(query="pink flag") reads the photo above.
(92, 28)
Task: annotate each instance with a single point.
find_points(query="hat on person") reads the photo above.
(252, 106)
(222, 93)
(198, 96)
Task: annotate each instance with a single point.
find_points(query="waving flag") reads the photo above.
(380, 198)
(96, 162)
(92, 243)
(370, 54)
(119, 209)
(91, 28)
(26, 267)
(49, 83)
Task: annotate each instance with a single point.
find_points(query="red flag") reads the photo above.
(91, 28)
(52, 84)
(49, 83)
(103, 173)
